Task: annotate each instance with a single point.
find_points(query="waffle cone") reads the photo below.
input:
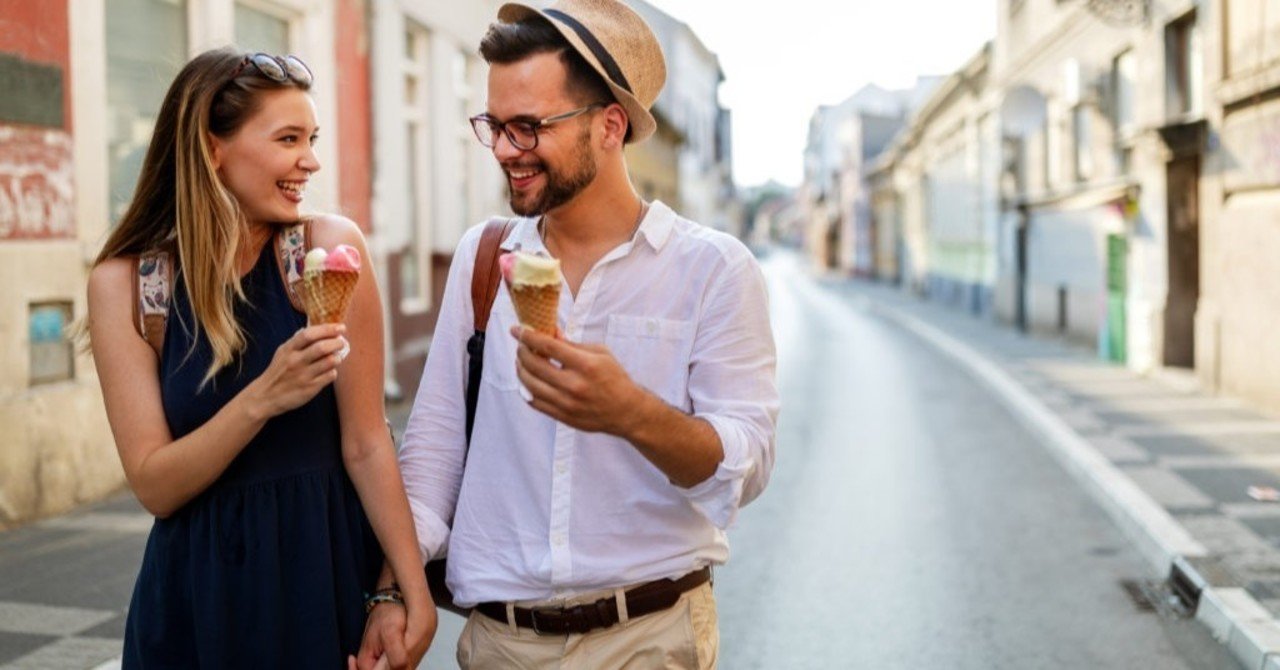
(326, 294)
(536, 306)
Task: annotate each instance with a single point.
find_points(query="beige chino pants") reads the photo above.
(685, 637)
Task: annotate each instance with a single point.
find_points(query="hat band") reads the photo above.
(597, 49)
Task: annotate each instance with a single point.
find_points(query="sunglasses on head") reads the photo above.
(277, 68)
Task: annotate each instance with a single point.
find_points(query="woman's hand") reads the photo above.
(301, 367)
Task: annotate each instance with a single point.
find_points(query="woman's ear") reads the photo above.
(215, 151)
(615, 126)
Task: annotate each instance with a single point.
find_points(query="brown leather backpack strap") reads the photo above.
(484, 289)
(292, 244)
(486, 274)
(153, 291)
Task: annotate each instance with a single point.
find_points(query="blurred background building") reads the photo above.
(396, 81)
(843, 141)
(1103, 170)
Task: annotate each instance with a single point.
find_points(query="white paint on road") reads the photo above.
(48, 620)
(115, 522)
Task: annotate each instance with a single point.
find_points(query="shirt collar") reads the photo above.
(655, 230)
(524, 236)
(657, 224)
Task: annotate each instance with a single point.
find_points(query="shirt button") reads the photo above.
(652, 327)
(558, 540)
(562, 468)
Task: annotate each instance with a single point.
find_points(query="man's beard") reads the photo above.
(561, 186)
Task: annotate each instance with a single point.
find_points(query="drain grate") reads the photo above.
(1138, 593)
(1156, 596)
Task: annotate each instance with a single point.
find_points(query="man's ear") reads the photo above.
(615, 126)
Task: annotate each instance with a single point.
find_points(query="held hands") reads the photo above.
(588, 389)
(303, 365)
(394, 640)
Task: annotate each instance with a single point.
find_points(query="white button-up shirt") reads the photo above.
(545, 511)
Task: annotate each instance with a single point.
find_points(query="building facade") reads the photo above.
(1236, 231)
(1093, 104)
(431, 179)
(87, 82)
(843, 145)
(935, 193)
(690, 102)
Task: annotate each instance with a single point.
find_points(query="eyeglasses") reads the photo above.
(277, 68)
(523, 134)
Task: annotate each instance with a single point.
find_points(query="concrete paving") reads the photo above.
(1174, 465)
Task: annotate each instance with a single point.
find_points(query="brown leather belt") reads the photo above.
(645, 599)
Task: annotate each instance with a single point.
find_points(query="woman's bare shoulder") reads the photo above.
(112, 277)
(329, 230)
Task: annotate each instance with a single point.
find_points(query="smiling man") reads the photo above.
(605, 464)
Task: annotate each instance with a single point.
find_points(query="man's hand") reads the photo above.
(383, 643)
(588, 390)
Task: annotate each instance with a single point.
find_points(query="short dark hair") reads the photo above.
(513, 42)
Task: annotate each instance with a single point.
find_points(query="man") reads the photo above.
(605, 465)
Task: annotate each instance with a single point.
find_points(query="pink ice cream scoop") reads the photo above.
(507, 263)
(343, 258)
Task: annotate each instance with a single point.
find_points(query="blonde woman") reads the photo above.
(258, 449)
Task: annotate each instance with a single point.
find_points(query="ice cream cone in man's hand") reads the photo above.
(534, 284)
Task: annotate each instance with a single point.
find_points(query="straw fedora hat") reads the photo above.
(617, 43)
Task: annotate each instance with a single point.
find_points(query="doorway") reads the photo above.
(1184, 261)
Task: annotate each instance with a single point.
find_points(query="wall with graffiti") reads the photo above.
(36, 191)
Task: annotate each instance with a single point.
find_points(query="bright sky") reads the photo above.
(781, 60)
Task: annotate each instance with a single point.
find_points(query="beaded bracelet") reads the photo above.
(390, 595)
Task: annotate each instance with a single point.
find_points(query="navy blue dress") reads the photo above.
(268, 567)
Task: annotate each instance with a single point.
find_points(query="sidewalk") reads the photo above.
(1172, 465)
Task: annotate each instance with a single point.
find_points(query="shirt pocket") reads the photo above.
(654, 352)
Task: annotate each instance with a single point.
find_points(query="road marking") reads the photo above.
(117, 522)
(1174, 429)
(48, 620)
(1231, 462)
(69, 653)
(1155, 405)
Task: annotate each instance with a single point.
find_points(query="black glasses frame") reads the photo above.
(277, 68)
(487, 128)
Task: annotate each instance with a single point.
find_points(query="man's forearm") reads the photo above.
(685, 448)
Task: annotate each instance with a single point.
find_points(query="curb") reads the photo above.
(1231, 614)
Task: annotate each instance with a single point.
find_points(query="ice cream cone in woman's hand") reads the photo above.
(328, 283)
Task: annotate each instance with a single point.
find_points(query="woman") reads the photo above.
(253, 443)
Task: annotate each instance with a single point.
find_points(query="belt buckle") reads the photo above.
(536, 611)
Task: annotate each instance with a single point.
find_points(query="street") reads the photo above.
(911, 522)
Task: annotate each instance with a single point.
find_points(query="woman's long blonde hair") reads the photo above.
(180, 201)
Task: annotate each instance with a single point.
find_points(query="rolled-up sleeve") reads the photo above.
(733, 387)
(433, 451)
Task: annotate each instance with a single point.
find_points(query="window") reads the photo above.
(146, 47)
(1123, 71)
(258, 30)
(1082, 137)
(52, 358)
(1184, 68)
(414, 268)
(465, 98)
